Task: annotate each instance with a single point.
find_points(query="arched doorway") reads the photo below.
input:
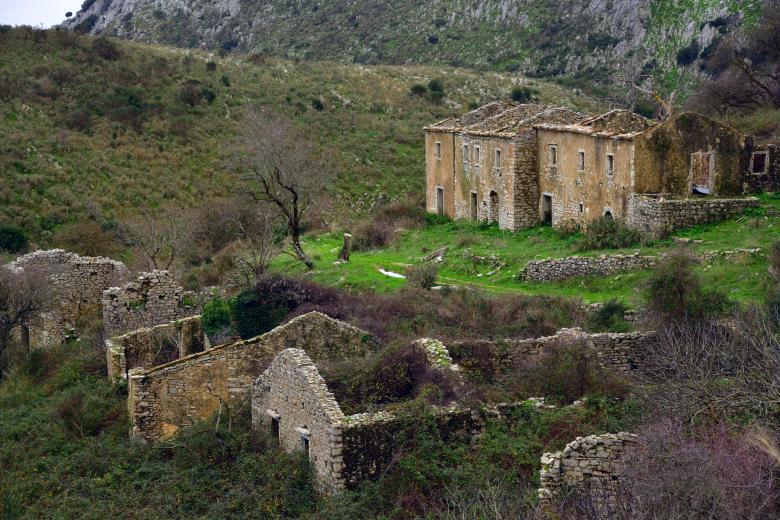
(608, 214)
(493, 207)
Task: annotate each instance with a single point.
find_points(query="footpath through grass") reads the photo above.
(476, 250)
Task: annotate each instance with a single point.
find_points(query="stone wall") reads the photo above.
(623, 352)
(553, 269)
(292, 402)
(656, 215)
(165, 398)
(152, 299)
(149, 347)
(596, 464)
(768, 179)
(77, 284)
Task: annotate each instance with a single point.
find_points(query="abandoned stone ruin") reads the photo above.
(76, 284)
(165, 398)
(596, 464)
(152, 299)
(522, 165)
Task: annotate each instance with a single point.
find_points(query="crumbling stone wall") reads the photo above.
(292, 395)
(152, 299)
(769, 178)
(292, 401)
(658, 216)
(623, 352)
(596, 463)
(165, 398)
(553, 269)
(77, 284)
(149, 347)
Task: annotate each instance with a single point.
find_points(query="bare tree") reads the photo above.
(282, 166)
(23, 293)
(261, 240)
(158, 239)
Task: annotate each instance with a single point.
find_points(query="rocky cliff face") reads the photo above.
(586, 38)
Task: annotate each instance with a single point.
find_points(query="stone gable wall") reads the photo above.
(553, 269)
(149, 347)
(165, 398)
(152, 299)
(623, 352)
(77, 284)
(292, 392)
(596, 463)
(658, 216)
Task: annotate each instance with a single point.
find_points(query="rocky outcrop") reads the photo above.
(547, 37)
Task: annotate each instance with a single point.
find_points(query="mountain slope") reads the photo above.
(587, 38)
(100, 129)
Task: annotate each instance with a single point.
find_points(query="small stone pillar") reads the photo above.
(344, 257)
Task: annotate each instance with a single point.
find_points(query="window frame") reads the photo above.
(552, 152)
(580, 160)
(609, 165)
(765, 153)
(437, 151)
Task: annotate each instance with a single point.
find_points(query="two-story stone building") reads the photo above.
(483, 166)
(521, 165)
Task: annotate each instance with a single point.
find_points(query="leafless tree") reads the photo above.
(283, 167)
(23, 293)
(158, 238)
(707, 369)
(261, 239)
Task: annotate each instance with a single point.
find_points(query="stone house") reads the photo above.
(483, 166)
(522, 165)
(594, 167)
(764, 170)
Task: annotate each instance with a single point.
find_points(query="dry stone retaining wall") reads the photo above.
(605, 265)
(623, 352)
(152, 299)
(149, 347)
(165, 398)
(596, 463)
(77, 284)
(658, 215)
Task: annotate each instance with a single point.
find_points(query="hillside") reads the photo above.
(585, 38)
(99, 129)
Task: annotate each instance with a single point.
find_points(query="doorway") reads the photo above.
(440, 200)
(474, 207)
(547, 216)
(493, 207)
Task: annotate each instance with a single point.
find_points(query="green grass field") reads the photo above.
(742, 279)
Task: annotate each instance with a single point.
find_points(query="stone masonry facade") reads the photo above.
(659, 216)
(596, 464)
(152, 346)
(165, 398)
(152, 299)
(553, 269)
(76, 283)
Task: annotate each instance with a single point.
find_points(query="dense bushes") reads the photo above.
(383, 228)
(610, 317)
(216, 317)
(12, 239)
(608, 233)
(422, 276)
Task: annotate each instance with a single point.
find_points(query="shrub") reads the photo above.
(86, 238)
(86, 4)
(688, 55)
(373, 234)
(433, 39)
(610, 317)
(436, 89)
(211, 66)
(225, 81)
(190, 94)
(208, 94)
(522, 94)
(106, 49)
(422, 276)
(216, 316)
(674, 292)
(12, 239)
(317, 105)
(418, 90)
(79, 119)
(84, 413)
(608, 233)
(567, 371)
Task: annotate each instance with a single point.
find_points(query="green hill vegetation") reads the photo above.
(97, 129)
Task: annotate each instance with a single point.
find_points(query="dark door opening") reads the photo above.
(440, 201)
(305, 447)
(493, 208)
(547, 210)
(474, 208)
(608, 215)
(274, 427)
(25, 336)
